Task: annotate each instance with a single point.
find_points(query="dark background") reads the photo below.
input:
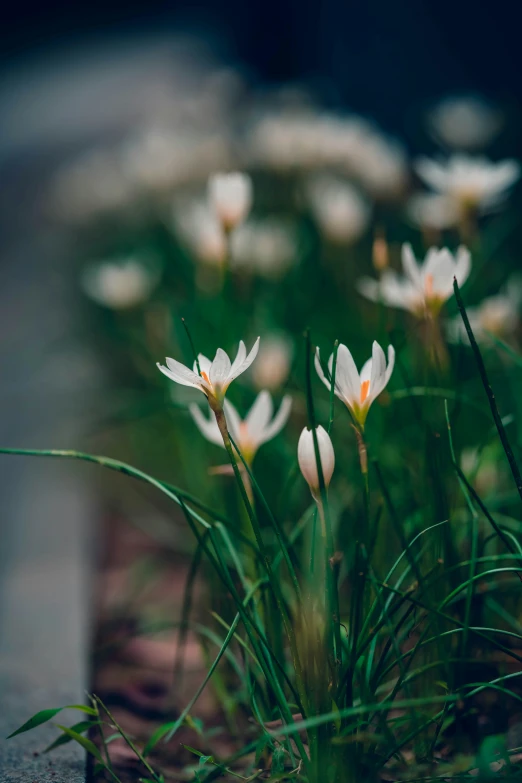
(379, 57)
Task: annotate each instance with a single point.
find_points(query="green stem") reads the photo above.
(222, 424)
(489, 391)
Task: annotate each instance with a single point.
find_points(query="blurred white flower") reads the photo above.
(305, 138)
(472, 182)
(216, 376)
(200, 229)
(266, 246)
(339, 209)
(161, 157)
(273, 362)
(230, 196)
(424, 288)
(498, 315)
(433, 211)
(358, 391)
(308, 462)
(381, 166)
(258, 427)
(465, 122)
(119, 284)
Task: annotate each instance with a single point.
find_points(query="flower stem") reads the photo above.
(222, 424)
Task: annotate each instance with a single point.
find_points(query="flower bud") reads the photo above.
(230, 197)
(307, 460)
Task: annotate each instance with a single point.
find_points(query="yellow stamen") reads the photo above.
(205, 376)
(365, 388)
(429, 285)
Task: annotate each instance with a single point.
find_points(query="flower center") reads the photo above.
(365, 388)
(428, 285)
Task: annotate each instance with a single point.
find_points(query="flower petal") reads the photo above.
(319, 369)
(220, 368)
(259, 417)
(377, 382)
(307, 461)
(462, 265)
(278, 422)
(233, 420)
(240, 366)
(178, 373)
(204, 364)
(410, 265)
(208, 427)
(347, 381)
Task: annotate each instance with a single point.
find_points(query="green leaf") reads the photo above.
(44, 715)
(79, 728)
(87, 744)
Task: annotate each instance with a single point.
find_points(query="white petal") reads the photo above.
(178, 373)
(409, 264)
(463, 265)
(259, 417)
(233, 420)
(208, 427)
(377, 382)
(278, 422)
(369, 288)
(220, 368)
(204, 364)
(307, 461)
(240, 367)
(347, 380)
(391, 364)
(240, 357)
(319, 369)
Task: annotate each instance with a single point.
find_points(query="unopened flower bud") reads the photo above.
(230, 197)
(308, 462)
(380, 253)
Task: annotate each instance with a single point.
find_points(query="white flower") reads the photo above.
(465, 122)
(199, 227)
(230, 196)
(358, 391)
(474, 182)
(498, 315)
(433, 211)
(423, 289)
(273, 362)
(340, 211)
(216, 376)
(266, 246)
(308, 462)
(258, 427)
(119, 284)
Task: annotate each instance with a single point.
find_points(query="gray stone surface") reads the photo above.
(47, 509)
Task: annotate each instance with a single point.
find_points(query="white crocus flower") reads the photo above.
(498, 315)
(200, 229)
(424, 288)
(464, 122)
(358, 390)
(212, 378)
(307, 460)
(258, 427)
(472, 182)
(119, 285)
(273, 362)
(230, 197)
(267, 247)
(339, 209)
(433, 211)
